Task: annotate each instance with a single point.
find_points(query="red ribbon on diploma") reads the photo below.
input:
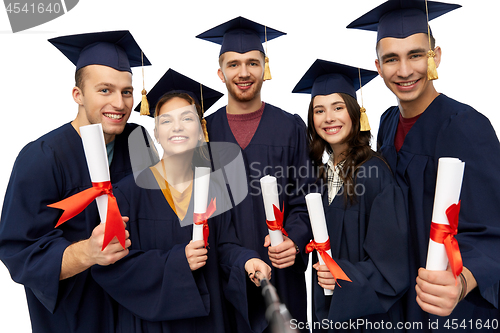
(76, 203)
(337, 272)
(202, 218)
(444, 234)
(277, 224)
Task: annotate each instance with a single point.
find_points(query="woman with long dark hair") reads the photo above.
(364, 210)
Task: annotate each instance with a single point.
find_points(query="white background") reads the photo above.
(36, 79)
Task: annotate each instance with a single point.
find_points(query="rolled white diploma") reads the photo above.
(270, 196)
(318, 224)
(448, 184)
(201, 184)
(97, 162)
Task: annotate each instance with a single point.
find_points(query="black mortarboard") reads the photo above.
(326, 77)
(173, 81)
(401, 18)
(116, 49)
(240, 35)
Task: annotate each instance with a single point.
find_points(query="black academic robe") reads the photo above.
(278, 148)
(48, 170)
(448, 128)
(368, 239)
(154, 286)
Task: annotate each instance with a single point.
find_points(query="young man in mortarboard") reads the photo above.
(273, 142)
(425, 126)
(52, 263)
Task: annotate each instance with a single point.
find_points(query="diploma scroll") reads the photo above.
(101, 190)
(97, 162)
(270, 196)
(318, 224)
(201, 184)
(448, 185)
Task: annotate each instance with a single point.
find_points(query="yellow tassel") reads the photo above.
(267, 71)
(204, 127)
(363, 120)
(144, 104)
(431, 66)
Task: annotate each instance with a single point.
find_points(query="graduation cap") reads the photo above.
(326, 77)
(242, 35)
(403, 18)
(174, 82)
(115, 49)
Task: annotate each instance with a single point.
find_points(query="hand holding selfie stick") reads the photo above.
(276, 312)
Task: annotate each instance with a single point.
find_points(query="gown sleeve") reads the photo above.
(470, 137)
(297, 222)
(381, 276)
(30, 247)
(232, 259)
(154, 284)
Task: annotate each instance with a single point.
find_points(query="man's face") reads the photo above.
(107, 98)
(243, 74)
(402, 63)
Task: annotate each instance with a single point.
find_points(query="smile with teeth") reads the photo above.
(246, 84)
(178, 138)
(333, 130)
(114, 115)
(407, 84)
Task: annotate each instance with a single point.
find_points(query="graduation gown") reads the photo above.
(368, 240)
(448, 128)
(154, 286)
(48, 170)
(278, 148)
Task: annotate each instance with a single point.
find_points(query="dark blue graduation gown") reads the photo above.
(369, 242)
(448, 128)
(154, 286)
(278, 148)
(48, 170)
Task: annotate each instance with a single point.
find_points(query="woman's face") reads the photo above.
(178, 128)
(332, 121)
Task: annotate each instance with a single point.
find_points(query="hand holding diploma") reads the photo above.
(321, 243)
(438, 292)
(438, 289)
(196, 254)
(274, 216)
(201, 213)
(282, 255)
(101, 190)
(443, 247)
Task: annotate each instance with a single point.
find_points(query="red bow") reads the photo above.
(337, 272)
(444, 234)
(202, 218)
(76, 203)
(277, 224)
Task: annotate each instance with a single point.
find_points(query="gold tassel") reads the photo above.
(144, 101)
(432, 73)
(431, 66)
(204, 127)
(144, 104)
(267, 71)
(363, 120)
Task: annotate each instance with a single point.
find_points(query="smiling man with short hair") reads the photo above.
(425, 126)
(53, 263)
(272, 142)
